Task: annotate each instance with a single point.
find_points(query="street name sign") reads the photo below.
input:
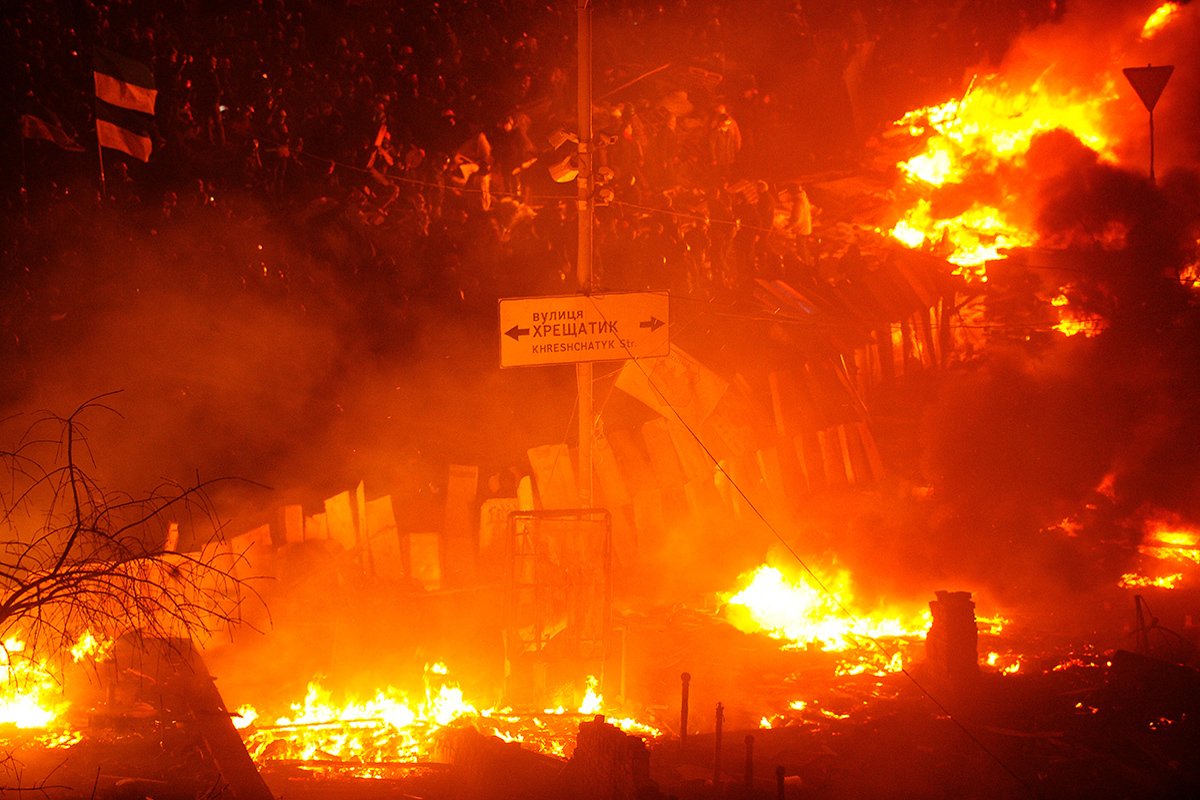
(567, 329)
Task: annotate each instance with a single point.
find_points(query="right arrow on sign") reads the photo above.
(654, 323)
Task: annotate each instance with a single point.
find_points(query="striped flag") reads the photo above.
(125, 96)
(49, 130)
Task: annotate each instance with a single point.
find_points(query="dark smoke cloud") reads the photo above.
(1085, 52)
(1025, 439)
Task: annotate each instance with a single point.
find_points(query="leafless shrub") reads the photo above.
(76, 556)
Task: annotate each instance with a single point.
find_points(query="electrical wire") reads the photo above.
(829, 595)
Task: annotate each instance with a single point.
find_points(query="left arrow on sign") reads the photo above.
(516, 332)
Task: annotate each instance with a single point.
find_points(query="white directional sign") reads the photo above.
(565, 329)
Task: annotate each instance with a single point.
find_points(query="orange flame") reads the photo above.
(1132, 580)
(27, 689)
(393, 727)
(1158, 20)
(31, 689)
(1189, 276)
(1073, 323)
(1006, 664)
(1167, 541)
(985, 134)
(819, 611)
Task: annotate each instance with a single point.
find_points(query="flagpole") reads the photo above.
(24, 181)
(100, 155)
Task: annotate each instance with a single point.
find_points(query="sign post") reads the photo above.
(1149, 83)
(585, 206)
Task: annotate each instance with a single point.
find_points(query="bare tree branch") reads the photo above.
(76, 556)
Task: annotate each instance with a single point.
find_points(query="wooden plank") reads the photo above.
(649, 522)
(339, 516)
(808, 461)
(316, 527)
(291, 523)
(727, 481)
(677, 384)
(663, 458)
(635, 466)
(460, 542)
(554, 475)
(171, 543)
(462, 485)
(382, 538)
(871, 450)
(695, 462)
(774, 487)
(254, 553)
(847, 454)
(614, 491)
(425, 558)
(831, 458)
(198, 690)
(493, 533)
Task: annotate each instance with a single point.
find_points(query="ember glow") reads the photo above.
(1189, 276)
(803, 614)
(1131, 580)
(1073, 323)
(1007, 664)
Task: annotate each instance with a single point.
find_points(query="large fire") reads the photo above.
(960, 199)
(815, 610)
(393, 726)
(31, 689)
(981, 138)
(1170, 551)
(1159, 19)
(325, 728)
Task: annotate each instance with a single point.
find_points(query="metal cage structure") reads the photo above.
(558, 593)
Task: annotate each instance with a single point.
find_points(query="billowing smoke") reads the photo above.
(1093, 429)
(1086, 50)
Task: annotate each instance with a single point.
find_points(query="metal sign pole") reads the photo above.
(585, 206)
(1149, 82)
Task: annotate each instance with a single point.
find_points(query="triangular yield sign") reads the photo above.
(1148, 82)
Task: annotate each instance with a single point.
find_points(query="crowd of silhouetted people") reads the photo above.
(433, 145)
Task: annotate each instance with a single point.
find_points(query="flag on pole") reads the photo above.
(49, 130)
(125, 97)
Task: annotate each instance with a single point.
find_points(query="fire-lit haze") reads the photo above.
(1043, 459)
